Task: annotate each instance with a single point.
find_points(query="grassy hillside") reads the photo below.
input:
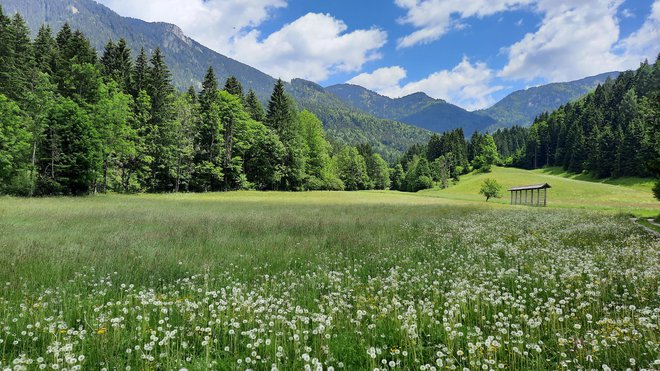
(625, 195)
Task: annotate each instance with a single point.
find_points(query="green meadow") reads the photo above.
(332, 280)
(625, 195)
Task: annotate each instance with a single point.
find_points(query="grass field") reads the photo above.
(626, 195)
(367, 280)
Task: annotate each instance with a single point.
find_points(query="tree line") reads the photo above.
(72, 123)
(611, 132)
(443, 160)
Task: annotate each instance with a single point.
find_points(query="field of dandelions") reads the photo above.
(430, 288)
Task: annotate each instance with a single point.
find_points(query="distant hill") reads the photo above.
(416, 109)
(188, 60)
(521, 107)
(351, 125)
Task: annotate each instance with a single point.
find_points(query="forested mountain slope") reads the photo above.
(188, 61)
(521, 107)
(416, 109)
(187, 58)
(351, 125)
(613, 131)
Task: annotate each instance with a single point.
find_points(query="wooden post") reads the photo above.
(525, 197)
(511, 198)
(532, 203)
(545, 197)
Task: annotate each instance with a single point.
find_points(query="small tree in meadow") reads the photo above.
(491, 189)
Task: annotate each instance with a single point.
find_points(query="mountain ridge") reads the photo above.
(523, 106)
(416, 109)
(189, 60)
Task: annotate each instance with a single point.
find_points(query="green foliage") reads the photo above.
(491, 189)
(69, 159)
(485, 153)
(15, 146)
(397, 177)
(521, 107)
(352, 169)
(416, 109)
(418, 176)
(254, 107)
(610, 132)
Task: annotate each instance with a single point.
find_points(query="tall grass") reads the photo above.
(322, 281)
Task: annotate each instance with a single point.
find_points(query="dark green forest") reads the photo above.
(73, 123)
(611, 132)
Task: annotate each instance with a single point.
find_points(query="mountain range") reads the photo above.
(351, 114)
(416, 109)
(521, 107)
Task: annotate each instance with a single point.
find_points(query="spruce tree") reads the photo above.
(22, 61)
(123, 66)
(161, 148)
(254, 107)
(6, 53)
(279, 116)
(234, 87)
(208, 160)
(140, 75)
(282, 118)
(108, 60)
(209, 89)
(45, 48)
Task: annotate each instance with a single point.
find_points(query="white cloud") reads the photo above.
(645, 42)
(574, 40)
(312, 47)
(578, 39)
(383, 80)
(434, 18)
(214, 23)
(468, 85)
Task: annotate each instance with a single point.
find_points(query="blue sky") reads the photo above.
(471, 53)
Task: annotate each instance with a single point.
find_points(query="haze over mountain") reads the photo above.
(521, 107)
(415, 109)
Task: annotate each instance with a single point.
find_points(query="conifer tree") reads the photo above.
(254, 107)
(45, 49)
(282, 119)
(210, 137)
(22, 61)
(162, 146)
(234, 87)
(140, 75)
(6, 52)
